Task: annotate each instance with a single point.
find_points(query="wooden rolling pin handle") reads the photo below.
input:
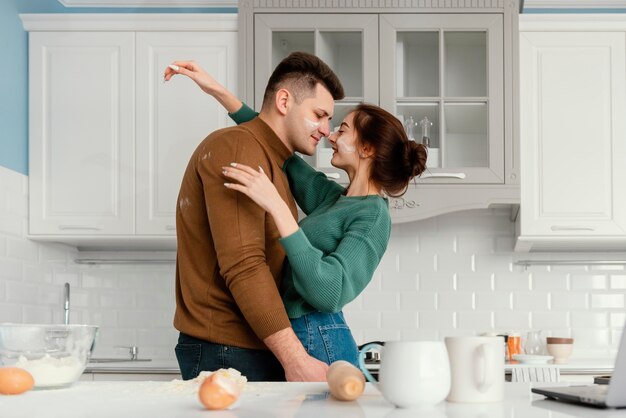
(346, 382)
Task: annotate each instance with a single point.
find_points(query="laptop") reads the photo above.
(611, 395)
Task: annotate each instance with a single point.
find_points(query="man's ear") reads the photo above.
(282, 99)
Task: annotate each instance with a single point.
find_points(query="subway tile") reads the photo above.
(37, 315)
(2, 292)
(422, 300)
(37, 273)
(475, 244)
(498, 301)
(363, 320)
(512, 321)
(618, 281)
(570, 300)
(497, 263)
(51, 295)
(549, 320)
(22, 249)
(419, 335)
(11, 225)
(587, 281)
(436, 319)
(591, 337)
(472, 320)
(436, 282)
(11, 313)
(398, 320)
(606, 268)
(378, 335)
(154, 300)
(474, 281)
(437, 244)
(112, 336)
(531, 300)
(512, 281)
(156, 337)
(504, 244)
(454, 263)
(549, 281)
(144, 318)
(55, 252)
(589, 319)
(3, 246)
(455, 301)
(616, 337)
(90, 281)
(19, 292)
(116, 299)
(607, 301)
(10, 269)
(618, 319)
(61, 276)
(102, 318)
(399, 281)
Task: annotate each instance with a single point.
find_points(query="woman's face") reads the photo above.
(345, 145)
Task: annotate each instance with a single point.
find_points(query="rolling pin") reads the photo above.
(346, 382)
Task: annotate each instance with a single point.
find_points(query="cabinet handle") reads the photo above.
(444, 175)
(572, 228)
(333, 175)
(81, 227)
(170, 228)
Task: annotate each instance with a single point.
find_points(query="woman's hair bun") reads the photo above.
(416, 159)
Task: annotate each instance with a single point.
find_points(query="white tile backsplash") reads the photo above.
(449, 275)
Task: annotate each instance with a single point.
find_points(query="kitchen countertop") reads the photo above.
(267, 400)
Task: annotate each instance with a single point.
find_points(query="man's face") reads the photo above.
(309, 121)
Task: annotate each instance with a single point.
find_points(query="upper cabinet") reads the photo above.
(573, 132)
(109, 141)
(446, 69)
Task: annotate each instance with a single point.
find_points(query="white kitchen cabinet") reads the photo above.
(573, 133)
(452, 62)
(109, 141)
(81, 127)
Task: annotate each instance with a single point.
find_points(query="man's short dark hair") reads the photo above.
(300, 72)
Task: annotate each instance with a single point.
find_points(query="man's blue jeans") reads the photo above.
(195, 355)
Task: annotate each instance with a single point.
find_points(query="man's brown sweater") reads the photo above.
(229, 259)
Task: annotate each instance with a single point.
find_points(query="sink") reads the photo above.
(117, 360)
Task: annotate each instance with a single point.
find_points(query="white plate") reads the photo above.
(532, 358)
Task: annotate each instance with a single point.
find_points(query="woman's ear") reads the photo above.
(282, 101)
(366, 151)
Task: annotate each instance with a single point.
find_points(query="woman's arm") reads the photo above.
(329, 281)
(207, 83)
(258, 187)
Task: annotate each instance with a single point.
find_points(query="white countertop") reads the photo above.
(266, 400)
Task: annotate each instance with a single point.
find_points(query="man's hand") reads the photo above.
(298, 365)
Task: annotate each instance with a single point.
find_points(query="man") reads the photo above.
(229, 261)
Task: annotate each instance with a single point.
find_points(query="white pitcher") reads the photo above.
(477, 367)
(411, 372)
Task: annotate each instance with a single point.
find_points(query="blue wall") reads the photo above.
(14, 65)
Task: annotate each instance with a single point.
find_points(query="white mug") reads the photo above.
(477, 367)
(411, 372)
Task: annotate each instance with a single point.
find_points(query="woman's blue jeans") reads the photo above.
(326, 336)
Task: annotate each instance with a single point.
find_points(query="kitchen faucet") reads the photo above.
(66, 305)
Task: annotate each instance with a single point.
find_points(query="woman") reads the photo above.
(333, 252)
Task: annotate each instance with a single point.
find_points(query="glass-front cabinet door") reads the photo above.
(442, 76)
(347, 43)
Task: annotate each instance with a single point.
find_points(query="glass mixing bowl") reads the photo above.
(55, 355)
